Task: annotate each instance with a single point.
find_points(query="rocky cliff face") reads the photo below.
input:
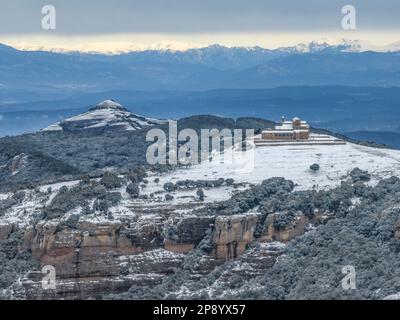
(232, 234)
(6, 230)
(93, 259)
(291, 230)
(397, 230)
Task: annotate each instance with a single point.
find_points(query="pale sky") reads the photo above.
(93, 24)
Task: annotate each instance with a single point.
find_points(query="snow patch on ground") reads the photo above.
(291, 162)
(395, 296)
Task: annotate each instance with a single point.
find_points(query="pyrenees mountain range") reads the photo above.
(198, 69)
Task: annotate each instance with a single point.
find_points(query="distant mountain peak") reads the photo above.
(109, 104)
(108, 115)
(331, 44)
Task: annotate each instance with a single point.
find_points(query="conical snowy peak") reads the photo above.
(109, 104)
(105, 116)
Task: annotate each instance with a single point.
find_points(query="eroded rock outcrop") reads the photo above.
(82, 252)
(291, 230)
(397, 230)
(184, 233)
(6, 230)
(92, 258)
(232, 234)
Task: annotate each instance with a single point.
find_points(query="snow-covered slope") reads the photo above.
(292, 162)
(108, 115)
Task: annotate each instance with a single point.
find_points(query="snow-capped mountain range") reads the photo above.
(107, 115)
(319, 63)
(343, 45)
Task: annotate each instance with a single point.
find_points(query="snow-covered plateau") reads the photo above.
(292, 162)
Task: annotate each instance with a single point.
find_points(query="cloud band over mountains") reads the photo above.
(96, 17)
